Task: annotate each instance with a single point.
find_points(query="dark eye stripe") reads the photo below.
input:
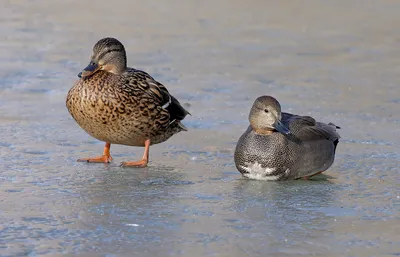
(109, 51)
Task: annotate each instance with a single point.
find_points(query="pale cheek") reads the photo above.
(109, 68)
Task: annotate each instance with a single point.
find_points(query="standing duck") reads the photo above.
(121, 105)
(282, 146)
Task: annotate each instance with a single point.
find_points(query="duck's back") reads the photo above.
(158, 90)
(125, 109)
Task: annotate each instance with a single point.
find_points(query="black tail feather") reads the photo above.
(176, 110)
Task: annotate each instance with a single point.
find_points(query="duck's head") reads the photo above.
(108, 55)
(265, 116)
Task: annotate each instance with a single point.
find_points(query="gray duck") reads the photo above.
(120, 105)
(282, 146)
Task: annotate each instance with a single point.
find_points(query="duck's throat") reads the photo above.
(263, 131)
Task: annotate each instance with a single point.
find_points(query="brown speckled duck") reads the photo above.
(121, 105)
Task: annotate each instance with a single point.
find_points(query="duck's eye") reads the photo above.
(93, 63)
(266, 111)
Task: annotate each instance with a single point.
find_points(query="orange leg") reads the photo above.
(307, 177)
(145, 159)
(106, 157)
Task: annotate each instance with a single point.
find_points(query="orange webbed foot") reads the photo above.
(143, 162)
(105, 158)
(98, 159)
(138, 164)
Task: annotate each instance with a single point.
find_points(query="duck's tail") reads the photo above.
(176, 110)
(331, 124)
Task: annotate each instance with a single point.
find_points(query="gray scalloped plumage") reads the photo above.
(282, 146)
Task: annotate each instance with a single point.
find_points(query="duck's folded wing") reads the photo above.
(296, 123)
(158, 91)
(308, 129)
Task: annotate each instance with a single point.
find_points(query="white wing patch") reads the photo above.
(168, 103)
(256, 171)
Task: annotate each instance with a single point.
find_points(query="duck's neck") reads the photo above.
(263, 131)
(115, 69)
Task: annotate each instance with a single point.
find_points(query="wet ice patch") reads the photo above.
(132, 225)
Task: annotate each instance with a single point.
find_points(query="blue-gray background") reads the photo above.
(338, 61)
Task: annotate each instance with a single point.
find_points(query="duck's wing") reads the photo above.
(306, 128)
(152, 88)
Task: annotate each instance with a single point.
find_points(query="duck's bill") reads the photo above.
(89, 70)
(281, 128)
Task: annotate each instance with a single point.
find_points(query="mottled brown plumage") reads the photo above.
(121, 105)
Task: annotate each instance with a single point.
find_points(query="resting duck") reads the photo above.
(282, 146)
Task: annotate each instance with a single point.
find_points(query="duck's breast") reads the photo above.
(265, 157)
(107, 113)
